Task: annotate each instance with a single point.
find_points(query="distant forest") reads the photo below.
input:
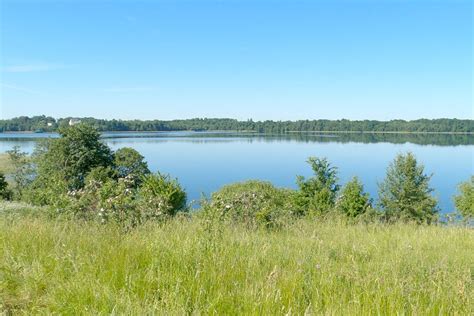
(49, 124)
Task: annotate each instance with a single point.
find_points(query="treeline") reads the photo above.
(50, 124)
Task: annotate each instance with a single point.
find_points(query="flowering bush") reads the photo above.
(160, 196)
(252, 203)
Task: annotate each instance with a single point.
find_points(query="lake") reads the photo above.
(205, 161)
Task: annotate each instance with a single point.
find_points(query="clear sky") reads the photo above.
(260, 59)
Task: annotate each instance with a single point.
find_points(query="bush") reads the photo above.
(405, 193)
(48, 190)
(317, 194)
(353, 201)
(119, 201)
(160, 196)
(464, 201)
(252, 203)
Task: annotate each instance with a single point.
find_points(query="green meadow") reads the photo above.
(199, 266)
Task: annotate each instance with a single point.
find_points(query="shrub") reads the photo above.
(49, 190)
(353, 201)
(117, 203)
(109, 201)
(464, 201)
(405, 193)
(160, 196)
(317, 194)
(252, 203)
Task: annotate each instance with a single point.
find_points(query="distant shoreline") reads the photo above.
(256, 132)
(420, 126)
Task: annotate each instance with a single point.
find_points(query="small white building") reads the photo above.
(74, 121)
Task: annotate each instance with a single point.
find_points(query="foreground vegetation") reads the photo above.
(187, 266)
(43, 123)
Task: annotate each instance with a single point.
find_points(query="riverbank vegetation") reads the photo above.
(87, 228)
(43, 123)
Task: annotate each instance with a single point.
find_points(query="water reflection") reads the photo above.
(394, 138)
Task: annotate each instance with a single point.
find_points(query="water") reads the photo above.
(204, 162)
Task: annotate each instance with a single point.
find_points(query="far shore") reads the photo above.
(256, 132)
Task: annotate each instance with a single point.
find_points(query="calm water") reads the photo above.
(203, 162)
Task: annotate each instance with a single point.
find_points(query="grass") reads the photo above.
(194, 267)
(5, 164)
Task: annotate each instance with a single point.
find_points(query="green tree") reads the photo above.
(73, 155)
(405, 193)
(101, 174)
(464, 201)
(129, 163)
(5, 192)
(353, 201)
(317, 194)
(23, 170)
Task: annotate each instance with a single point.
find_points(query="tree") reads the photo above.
(73, 155)
(317, 194)
(464, 201)
(405, 193)
(5, 192)
(353, 201)
(23, 170)
(129, 163)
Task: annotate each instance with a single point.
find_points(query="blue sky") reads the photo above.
(260, 59)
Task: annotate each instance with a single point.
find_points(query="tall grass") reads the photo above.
(191, 266)
(5, 164)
